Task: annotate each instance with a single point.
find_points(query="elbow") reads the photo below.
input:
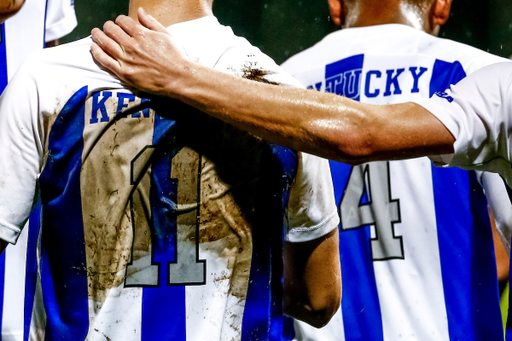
(355, 148)
(316, 312)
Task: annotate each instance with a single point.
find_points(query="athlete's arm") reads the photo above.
(8, 8)
(312, 279)
(323, 124)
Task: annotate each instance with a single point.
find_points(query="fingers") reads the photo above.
(149, 22)
(106, 43)
(104, 60)
(117, 33)
(130, 26)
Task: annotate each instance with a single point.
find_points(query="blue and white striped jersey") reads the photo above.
(415, 241)
(38, 21)
(154, 226)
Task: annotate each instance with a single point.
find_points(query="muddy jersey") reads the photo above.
(37, 22)
(415, 242)
(157, 222)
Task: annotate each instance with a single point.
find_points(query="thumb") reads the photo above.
(148, 21)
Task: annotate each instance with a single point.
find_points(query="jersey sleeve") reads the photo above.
(21, 153)
(60, 19)
(477, 111)
(312, 211)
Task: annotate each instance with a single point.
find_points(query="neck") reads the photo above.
(169, 12)
(371, 13)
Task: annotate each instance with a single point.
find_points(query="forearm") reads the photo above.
(323, 124)
(312, 279)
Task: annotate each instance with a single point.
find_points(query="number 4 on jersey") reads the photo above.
(380, 210)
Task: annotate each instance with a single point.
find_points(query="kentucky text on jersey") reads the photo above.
(117, 102)
(344, 78)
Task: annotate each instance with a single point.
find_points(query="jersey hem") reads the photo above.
(61, 29)
(306, 234)
(9, 233)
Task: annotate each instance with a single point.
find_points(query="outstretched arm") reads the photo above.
(146, 57)
(8, 8)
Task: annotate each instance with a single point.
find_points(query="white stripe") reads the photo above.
(119, 318)
(24, 34)
(14, 288)
(38, 321)
(404, 282)
(207, 304)
(334, 330)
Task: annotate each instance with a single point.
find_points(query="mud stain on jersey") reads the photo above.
(114, 200)
(252, 72)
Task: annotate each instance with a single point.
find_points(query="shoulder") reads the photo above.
(243, 59)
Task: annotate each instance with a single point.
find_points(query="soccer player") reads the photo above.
(323, 124)
(411, 234)
(327, 125)
(157, 227)
(31, 25)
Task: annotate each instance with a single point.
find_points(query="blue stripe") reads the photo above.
(31, 271)
(3, 60)
(64, 282)
(263, 313)
(44, 28)
(445, 74)
(467, 257)
(163, 307)
(360, 302)
(3, 84)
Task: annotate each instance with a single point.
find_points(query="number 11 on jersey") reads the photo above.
(150, 250)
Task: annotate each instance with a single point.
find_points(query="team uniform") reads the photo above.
(157, 223)
(415, 241)
(37, 22)
(478, 114)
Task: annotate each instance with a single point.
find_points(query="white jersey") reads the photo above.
(415, 242)
(150, 232)
(478, 113)
(37, 22)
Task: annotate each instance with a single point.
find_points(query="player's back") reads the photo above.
(157, 223)
(415, 242)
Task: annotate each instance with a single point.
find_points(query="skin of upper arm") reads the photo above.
(400, 131)
(312, 279)
(8, 8)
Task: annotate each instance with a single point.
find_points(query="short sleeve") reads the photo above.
(60, 19)
(20, 155)
(312, 210)
(477, 111)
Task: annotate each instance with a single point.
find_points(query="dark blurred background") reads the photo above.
(282, 28)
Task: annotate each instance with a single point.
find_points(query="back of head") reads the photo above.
(427, 15)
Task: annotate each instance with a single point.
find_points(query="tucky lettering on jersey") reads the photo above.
(105, 102)
(345, 76)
